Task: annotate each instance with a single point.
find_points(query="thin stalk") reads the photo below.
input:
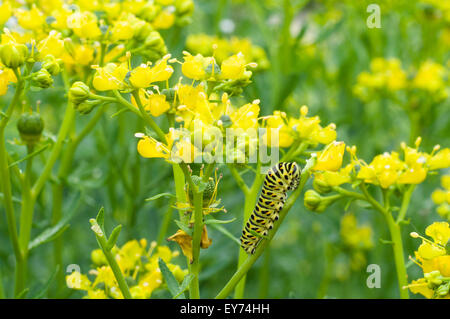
(114, 267)
(147, 118)
(196, 239)
(5, 182)
(165, 223)
(249, 204)
(405, 203)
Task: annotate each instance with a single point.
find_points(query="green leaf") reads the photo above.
(169, 278)
(159, 196)
(23, 294)
(217, 221)
(101, 217)
(224, 231)
(55, 231)
(40, 150)
(184, 286)
(113, 238)
(48, 235)
(44, 289)
(184, 227)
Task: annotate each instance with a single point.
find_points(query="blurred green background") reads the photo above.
(316, 50)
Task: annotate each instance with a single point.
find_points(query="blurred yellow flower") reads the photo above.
(110, 77)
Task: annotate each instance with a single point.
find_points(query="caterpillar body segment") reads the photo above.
(281, 178)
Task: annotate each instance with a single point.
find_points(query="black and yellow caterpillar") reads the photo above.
(279, 179)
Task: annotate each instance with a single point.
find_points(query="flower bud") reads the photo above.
(87, 106)
(78, 93)
(169, 93)
(442, 290)
(321, 186)
(13, 55)
(43, 78)
(312, 200)
(184, 7)
(30, 126)
(98, 257)
(51, 64)
(208, 191)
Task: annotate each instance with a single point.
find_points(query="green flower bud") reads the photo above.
(226, 121)
(51, 64)
(149, 12)
(98, 257)
(13, 55)
(321, 186)
(169, 93)
(312, 200)
(142, 30)
(184, 7)
(78, 93)
(207, 193)
(30, 126)
(442, 290)
(43, 78)
(87, 106)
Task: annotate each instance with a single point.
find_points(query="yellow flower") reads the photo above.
(78, 281)
(84, 24)
(105, 275)
(234, 67)
(5, 12)
(194, 67)
(110, 77)
(331, 158)
(82, 55)
(164, 20)
(121, 30)
(246, 116)
(383, 170)
(440, 160)
(430, 77)
(144, 75)
(150, 148)
(96, 294)
(52, 44)
(337, 178)
(420, 286)
(32, 19)
(155, 103)
(278, 121)
(6, 77)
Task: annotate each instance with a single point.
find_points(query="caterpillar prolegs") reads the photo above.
(279, 179)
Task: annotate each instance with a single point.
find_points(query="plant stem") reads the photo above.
(250, 201)
(5, 182)
(196, 239)
(114, 267)
(399, 259)
(396, 238)
(405, 203)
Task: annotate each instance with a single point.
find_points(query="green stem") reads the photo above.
(250, 201)
(147, 118)
(196, 240)
(397, 246)
(405, 203)
(179, 191)
(251, 259)
(397, 242)
(5, 182)
(114, 267)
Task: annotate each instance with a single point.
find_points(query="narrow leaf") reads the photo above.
(169, 278)
(44, 289)
(113, 238)
(184, 286)
(224, 231)
(217, 221)
(23, 294)
(101, 217)
(159, 196)
(183, 227)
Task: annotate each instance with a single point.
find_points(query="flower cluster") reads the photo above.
(433, 256)
(70, 33)
(387, 77)
(139, 265)
(441, 197)
(222, 48)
